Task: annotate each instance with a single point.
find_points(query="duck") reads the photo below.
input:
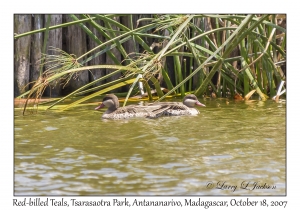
(177, 108)
(114, 111)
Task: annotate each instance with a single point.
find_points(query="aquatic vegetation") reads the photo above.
(207, 55)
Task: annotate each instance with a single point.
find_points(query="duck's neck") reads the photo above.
(111, 109)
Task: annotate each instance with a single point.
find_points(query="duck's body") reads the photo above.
(177, 108)
(126, 112)
(115, 112)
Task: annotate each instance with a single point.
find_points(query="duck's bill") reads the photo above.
(199, 104)
(99, 107)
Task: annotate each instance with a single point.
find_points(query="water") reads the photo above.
(229, 149)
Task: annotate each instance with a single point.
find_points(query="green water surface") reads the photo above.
(228, 149)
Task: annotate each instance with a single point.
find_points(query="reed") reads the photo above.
(221, 54)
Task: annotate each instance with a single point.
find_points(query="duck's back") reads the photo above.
(172, 109)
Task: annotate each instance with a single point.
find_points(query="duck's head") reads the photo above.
(110, 101)
(191, 100)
